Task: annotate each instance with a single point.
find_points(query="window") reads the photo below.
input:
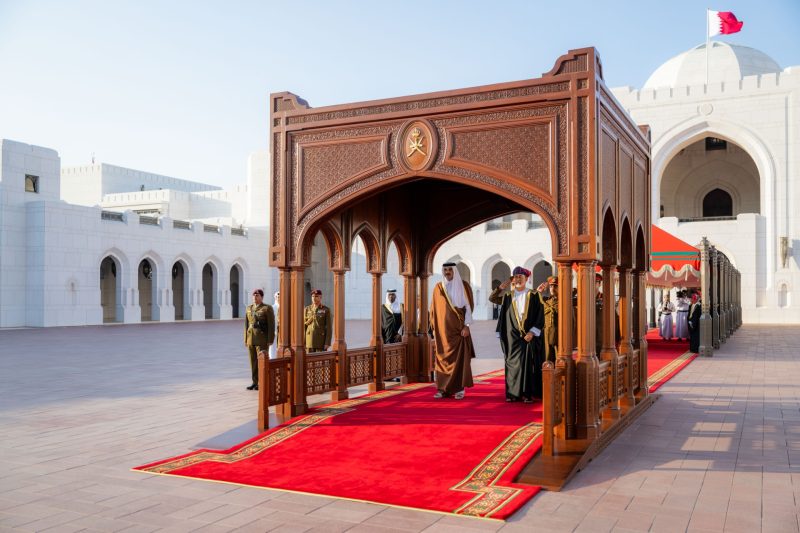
(31, 183)
(713, 143)
(717, 203)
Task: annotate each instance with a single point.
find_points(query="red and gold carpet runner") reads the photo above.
(400, 447)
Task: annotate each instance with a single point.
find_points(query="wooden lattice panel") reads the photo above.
(635, 371)
(320, 373)
(395, 360)
(278, 381)
(605, 377)
(360, 366)
(622, 363)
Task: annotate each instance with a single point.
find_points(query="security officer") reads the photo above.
(259, 331)
(550, 317)
(318, 324)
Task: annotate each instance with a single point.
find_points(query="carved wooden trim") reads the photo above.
(309, 197)
(514, 130)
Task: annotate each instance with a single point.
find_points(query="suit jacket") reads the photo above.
(259, 325)
(318, 327)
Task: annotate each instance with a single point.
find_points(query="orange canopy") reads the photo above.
(672, 261)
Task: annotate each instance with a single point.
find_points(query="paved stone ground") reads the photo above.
(720, 450)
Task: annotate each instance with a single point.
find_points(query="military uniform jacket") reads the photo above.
(318, 326)
(550, 319)
(259, 325)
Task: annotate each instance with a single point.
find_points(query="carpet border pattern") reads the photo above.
(483, 480)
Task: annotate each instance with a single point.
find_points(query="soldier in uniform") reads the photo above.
(259, 331)
(550, 304)
(318, 324)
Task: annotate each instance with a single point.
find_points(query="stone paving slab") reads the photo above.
(719, 450)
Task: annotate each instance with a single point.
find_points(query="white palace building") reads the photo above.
(100, 243)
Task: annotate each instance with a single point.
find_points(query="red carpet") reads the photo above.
(665, 359)
(401, 447)
(398, 447)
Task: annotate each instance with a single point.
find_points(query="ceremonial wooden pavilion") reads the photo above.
(416, 171)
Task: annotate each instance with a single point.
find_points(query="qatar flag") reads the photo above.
(722, 22)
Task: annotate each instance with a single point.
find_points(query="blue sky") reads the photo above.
(181, 88)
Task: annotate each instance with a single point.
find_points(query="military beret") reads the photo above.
(315, 292)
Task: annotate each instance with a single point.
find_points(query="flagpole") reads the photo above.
(708, 45)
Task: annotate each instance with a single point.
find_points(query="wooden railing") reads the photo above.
(553, 382)
(360, 366)
(395, 360)
(634, 371)
(622, 375)
(273, 379)
(606, 384)
(321, 372)
(275, 375)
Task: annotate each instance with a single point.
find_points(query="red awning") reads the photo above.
(672, 261)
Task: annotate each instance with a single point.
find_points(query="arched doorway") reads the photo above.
(500, 273)
(180, 291)
(541, 271)
(110, 289)
(237, 297)
(711, 177)
(210, 300)
(717, 203)
(147, 286)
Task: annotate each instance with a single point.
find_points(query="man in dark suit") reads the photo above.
(695, 310)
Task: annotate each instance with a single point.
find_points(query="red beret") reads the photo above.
(315, 292)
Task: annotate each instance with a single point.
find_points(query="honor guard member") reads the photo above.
(259, 331)
(318, 324)
(550, 304)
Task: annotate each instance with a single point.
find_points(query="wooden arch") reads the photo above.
(417, 170)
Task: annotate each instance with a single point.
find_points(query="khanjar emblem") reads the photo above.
(417, 145)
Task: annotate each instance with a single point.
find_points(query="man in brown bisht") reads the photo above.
(451, 315)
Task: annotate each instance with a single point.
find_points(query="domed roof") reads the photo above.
(726, 62)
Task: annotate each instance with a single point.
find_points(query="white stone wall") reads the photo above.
(86, 185)
(51, 252)
(760, 115)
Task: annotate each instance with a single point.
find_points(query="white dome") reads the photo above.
(726, 62)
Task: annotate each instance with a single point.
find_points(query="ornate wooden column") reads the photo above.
(706, 349)
(284, 338)
(410, 325)
(587, 423)
(608, 351)
(652, 309)
(640, 317)
(377, 337)
(715, 291)
(738, 287)
(339, 343)
(719, 299)
(424, 322)
(298, 401)
(728, 283)
(627, 297)
(565, 344)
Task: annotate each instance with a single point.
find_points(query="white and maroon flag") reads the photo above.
(722, 22)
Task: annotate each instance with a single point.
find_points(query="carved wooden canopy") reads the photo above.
(417, 170)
